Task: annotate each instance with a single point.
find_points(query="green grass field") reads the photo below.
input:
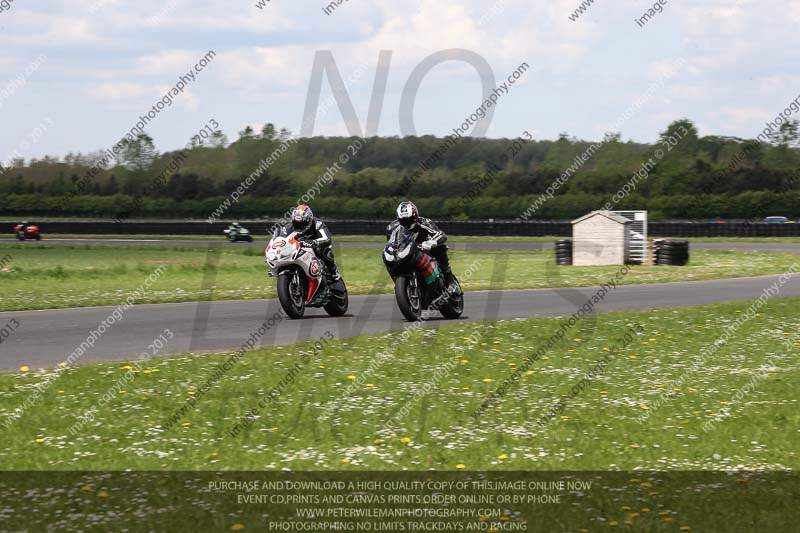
(413, 410)
(40, 276)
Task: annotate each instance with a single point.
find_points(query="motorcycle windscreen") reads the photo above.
(401, 237)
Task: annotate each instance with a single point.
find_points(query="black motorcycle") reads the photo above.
(418, 282)
(238, 233)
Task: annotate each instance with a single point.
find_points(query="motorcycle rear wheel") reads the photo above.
(291, 294)
(408, 298)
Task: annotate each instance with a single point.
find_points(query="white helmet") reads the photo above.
(407, 214)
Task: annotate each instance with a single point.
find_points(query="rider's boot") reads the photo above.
(334, 273)
(450, 282)
(440, 254)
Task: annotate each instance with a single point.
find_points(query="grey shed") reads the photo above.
(600, 238)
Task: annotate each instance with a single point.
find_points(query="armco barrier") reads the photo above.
(364, 227)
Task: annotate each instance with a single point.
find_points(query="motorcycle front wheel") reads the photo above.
(455, 305)
(291, 293)
(408, 297)
(339, 299)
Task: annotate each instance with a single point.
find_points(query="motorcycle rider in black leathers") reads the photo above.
(234, 228)
(429, 237)
(316, 233)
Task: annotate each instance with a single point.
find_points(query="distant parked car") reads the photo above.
(776, 220)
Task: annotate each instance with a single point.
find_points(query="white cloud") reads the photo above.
(186, 99)
(689, 90)
(661, 119)
(747, 115)
(50, 30)
(438, 25)
(118, 91)
(70, 31)
(777, 84)
(266, 69)
(666, 68)
(169, 62)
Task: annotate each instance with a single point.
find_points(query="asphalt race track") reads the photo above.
(45, 338)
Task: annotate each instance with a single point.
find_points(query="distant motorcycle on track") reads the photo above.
(27, 231)
(235, 233)
(418, 283)
(303, 279)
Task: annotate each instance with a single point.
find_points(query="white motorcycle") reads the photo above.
(303, 279)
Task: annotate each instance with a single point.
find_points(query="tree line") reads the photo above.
(697, 178)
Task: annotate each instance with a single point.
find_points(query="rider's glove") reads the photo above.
(427, 246)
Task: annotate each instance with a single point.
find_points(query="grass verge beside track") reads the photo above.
(412, 411)
(42, 276)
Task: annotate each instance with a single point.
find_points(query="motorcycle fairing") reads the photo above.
(282, 251)
(429, 268)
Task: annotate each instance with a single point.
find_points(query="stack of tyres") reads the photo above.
(675, 253)
(564, 252)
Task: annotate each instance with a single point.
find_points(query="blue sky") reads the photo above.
(109, 61)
